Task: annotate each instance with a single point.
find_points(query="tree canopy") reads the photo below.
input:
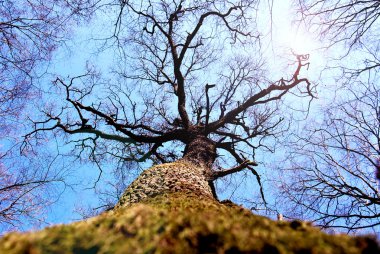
(184, 70)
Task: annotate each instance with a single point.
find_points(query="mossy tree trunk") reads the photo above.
(183, 223)
(171, 208)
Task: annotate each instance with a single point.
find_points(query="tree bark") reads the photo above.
(180, 176)
(191, 174)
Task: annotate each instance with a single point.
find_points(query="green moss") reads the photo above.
(183, 223)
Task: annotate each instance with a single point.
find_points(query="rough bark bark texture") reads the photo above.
(189, 175)
(180, 176)
(201, 151)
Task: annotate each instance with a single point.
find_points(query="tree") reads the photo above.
(346, 21)
(333, 171)
(27, 187)
(183, 223)
(172, 52)
(334, 180)
(224, 106)
(353, 24)
(30, 31)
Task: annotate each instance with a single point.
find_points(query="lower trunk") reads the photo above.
(183, 223)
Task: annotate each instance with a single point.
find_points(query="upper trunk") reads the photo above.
(200, 151)
(189, 175)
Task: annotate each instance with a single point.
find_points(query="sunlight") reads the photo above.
(297, 40)
(300, 43)
(289, 35)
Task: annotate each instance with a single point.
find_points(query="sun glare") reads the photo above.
(300, 42)
(289, 35)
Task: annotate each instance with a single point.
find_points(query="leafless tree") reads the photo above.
(189, 83)
(27, 188)
(346, 21)
(333, 171)
(30, 31)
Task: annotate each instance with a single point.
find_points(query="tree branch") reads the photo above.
(218, 174)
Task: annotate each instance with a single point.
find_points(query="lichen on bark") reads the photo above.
(191, 174)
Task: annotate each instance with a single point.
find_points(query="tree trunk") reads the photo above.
(170, 208)
(191, 174)
(180, 176)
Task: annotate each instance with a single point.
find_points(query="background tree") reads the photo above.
(27, 187)
(351, 24)
(332, 173)
(30, 31)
